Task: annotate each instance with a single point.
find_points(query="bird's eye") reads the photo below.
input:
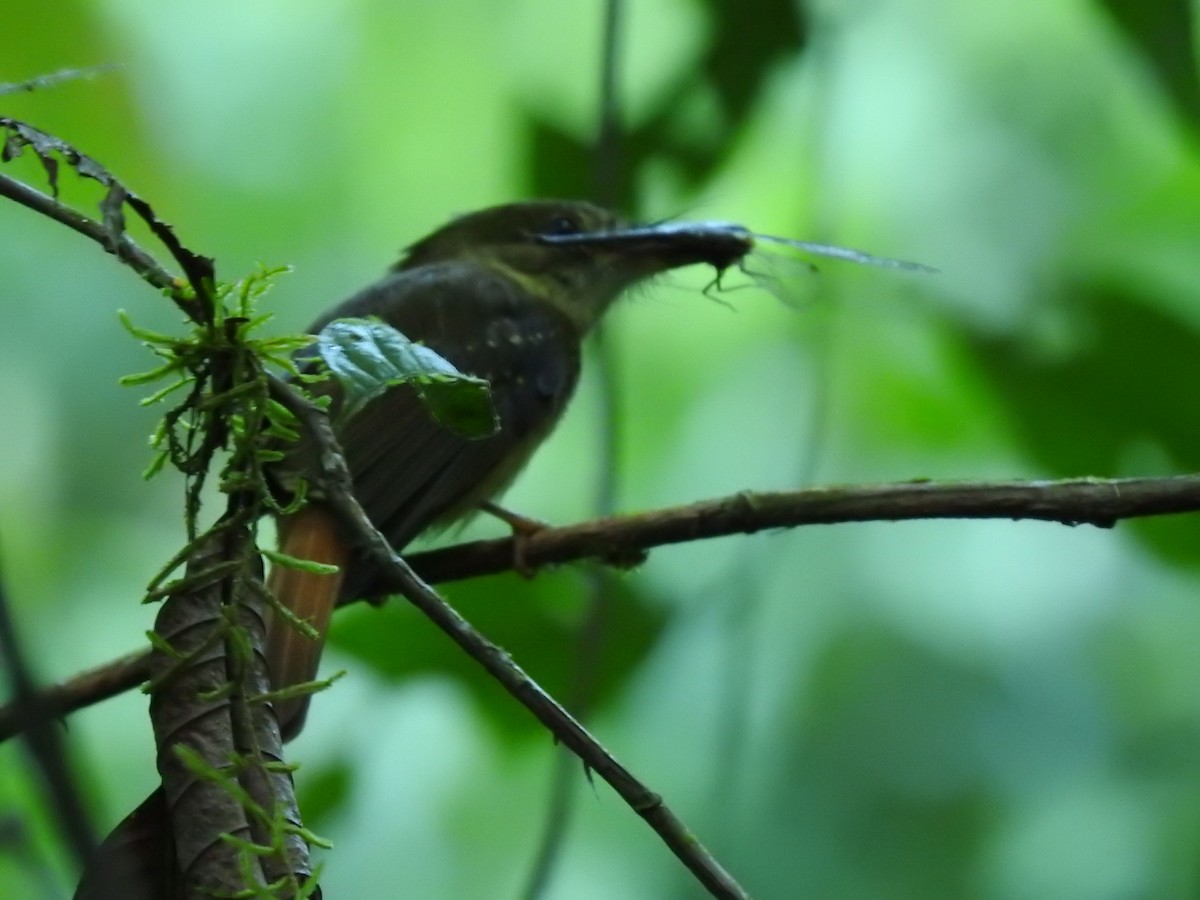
(562, 225)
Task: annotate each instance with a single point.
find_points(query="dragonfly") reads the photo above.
(725, 245)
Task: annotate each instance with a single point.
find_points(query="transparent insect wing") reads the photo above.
(846, 254)
(785, 276)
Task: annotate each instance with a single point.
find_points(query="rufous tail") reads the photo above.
(292, 657)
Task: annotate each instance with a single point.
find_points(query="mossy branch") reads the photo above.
(208, 669)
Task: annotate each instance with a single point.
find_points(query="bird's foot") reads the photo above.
(523, 528)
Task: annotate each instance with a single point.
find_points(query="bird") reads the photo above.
(507, 294)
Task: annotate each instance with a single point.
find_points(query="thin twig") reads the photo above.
(607, 159)
(125, 249)
(44, 737)
(110, 234)
(591, 633)
(53, 79)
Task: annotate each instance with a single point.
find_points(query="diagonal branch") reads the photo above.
(194, 297)
(338, 494)
(124, 248)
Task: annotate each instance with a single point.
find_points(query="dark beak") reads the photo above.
(667, 245)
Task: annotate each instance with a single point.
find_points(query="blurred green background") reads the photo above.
(941, 709)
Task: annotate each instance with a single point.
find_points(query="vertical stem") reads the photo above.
(607, 163)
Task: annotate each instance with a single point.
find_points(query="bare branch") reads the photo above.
(110, 232)
(124, 249)
(53, 79)
(1079, 501)
(1093, 501)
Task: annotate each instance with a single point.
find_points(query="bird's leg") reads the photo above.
(523, 528)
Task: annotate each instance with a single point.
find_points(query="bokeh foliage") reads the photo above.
(925, 710)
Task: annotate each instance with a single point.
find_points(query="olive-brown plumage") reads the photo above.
(498, 300)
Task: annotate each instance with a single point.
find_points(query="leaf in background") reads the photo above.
(1126, 381)
(1123, 389)
(137, 859)
(324, 791)
(750, 41)
(559, 163)
(368, 356)
(880, 739)
(537, 621)
(1163, 31)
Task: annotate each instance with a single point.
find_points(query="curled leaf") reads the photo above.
(368, 356)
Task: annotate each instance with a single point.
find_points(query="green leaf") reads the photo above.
(368, 356)
(535, 620)
(460, 402)
(1163, 32)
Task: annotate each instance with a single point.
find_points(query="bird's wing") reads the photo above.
(410, 471)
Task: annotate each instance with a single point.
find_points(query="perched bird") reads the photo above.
(507, 294)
